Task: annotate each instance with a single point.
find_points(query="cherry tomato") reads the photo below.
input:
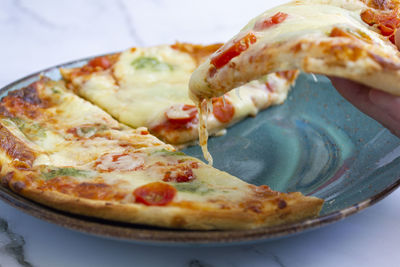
(222, 57)
(369, 17)
(223, 110)
(181, 114)
(271, 21)
(102, 62)
(155, 194)
(387, 23)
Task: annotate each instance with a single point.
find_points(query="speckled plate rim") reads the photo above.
(159, 236)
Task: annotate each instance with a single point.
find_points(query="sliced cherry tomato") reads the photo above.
(225, 55)
(387, 23)
(119, 162)
(356, 35)
(337, 32)
(179, 175)
(369, 17)
(271, 21)
(386, 31)
(180, 117)
(223, 110)
(181, 113)
(102, 62)
(155, 194)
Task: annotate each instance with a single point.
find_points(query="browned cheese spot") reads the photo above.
(18, 186)
(253, 205)
(5, 180)
(282, 203)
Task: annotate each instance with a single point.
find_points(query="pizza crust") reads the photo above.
(354, 61)
(63, 152)
(375, 62)
(199, 218)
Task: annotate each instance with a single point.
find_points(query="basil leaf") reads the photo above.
(31, 129)
(151, 63)
(67, 171)
(170, 153)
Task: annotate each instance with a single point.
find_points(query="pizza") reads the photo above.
(66, 153)
(353, 39)
(148, 87)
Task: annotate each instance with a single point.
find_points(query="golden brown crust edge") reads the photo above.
(338, 56)
(176, 217)
(203, 217)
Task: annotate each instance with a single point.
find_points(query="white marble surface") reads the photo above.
(38, 34)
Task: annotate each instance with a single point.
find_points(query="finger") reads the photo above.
(390, 107)
(355, 93)
(381, 106)
(397, 38)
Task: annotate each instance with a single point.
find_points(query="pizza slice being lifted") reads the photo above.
(353, 39)
(149, 87)
(62, 151)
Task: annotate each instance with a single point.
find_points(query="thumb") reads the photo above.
(388, 103)
(397, 38)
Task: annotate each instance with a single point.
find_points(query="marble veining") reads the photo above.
(24, 10)
(273, 256)
(128, 22)
(12, 247)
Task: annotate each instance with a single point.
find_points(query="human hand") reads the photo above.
(379, 105)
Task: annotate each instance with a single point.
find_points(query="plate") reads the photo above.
(315, 143)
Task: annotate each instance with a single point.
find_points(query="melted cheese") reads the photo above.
(147, 83)
(312, 19)
(204, 109)
(307, 19)
(144, 92)
(123, 157)
(254, 96)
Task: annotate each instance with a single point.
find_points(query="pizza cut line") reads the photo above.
(64, 152)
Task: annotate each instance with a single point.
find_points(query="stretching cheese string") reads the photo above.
(204, 108)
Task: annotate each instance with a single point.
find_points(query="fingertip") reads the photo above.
(350, 90)
(383, 99)
(397, 38)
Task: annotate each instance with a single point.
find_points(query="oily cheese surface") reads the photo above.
(337, 38)
(148, 86)
(62, 151)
